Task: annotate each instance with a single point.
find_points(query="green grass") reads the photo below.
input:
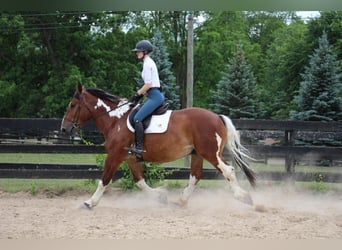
(48, 158)
(34, 186)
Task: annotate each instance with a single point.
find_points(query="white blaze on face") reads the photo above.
(117, 112)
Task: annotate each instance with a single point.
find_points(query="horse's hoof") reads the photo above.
(162, 198)
(247, 199)
(179, 203)
(87, 204)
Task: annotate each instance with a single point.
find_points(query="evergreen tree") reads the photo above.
(235, 94)
(318, 98)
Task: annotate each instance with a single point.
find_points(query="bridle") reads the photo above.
(75, 120)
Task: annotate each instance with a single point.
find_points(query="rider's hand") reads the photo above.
(134, 99)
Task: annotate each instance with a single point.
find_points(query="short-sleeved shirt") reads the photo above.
(150, 72)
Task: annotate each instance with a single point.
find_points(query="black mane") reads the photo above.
(104, 95)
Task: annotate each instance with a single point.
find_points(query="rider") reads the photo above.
(151, 87)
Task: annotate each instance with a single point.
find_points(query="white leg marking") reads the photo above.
(229, 173)
(188, 190)
(94, 200)
(154, 192)
(143, 186)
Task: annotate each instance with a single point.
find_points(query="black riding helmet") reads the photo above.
(143, 45)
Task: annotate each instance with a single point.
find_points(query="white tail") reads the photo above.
(239, 153)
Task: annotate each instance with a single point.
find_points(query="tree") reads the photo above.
(286, 57)
(10, 35)
(263, 24)
(318, 98)
(235, 94)
(262, 28)
(47, 53)
(167, 79)
(331, 22)
(215, 41)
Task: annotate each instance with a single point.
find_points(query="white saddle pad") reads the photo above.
(158, 124)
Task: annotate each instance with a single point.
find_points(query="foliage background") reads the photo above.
(44, 54)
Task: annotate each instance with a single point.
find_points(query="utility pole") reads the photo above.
(190, 61)
(189, 69)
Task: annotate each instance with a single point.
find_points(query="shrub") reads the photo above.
(154, 173)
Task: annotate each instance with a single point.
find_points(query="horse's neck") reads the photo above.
(106, 121)
(104, 124)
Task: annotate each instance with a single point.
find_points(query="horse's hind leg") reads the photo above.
(217, 160)
(195, 176)
(229, 173)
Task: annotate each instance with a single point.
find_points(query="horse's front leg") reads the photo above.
(111, 165)
(138, 175)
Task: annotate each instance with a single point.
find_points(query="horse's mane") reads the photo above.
(104, 95)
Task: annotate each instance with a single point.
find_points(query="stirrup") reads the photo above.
(136, 151)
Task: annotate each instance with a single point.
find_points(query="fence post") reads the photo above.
(289, 158)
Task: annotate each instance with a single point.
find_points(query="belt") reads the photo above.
(154, 88)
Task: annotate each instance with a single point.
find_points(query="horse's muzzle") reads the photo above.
(69, 128)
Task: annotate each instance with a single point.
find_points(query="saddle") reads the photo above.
(162, 109)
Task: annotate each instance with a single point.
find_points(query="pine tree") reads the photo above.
(166, 77)
(318, 98)
(235, 92)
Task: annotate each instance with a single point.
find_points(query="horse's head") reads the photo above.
(77, 112)
(92, 103)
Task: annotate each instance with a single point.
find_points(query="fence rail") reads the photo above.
(14, 134)
(57, 171)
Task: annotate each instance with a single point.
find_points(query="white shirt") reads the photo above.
(150, 72)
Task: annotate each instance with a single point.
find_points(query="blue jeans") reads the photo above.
(155, 98)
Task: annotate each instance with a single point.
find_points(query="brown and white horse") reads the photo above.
(192, 131)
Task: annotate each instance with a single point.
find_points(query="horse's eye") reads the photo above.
(72, 105)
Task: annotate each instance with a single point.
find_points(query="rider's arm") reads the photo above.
(144, 88)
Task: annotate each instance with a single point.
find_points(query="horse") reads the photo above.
(197, 132)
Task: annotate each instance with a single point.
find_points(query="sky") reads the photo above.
(307, 14)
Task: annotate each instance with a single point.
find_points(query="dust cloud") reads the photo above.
(212, 213)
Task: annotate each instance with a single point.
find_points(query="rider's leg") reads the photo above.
(139, 140)
(155, 99)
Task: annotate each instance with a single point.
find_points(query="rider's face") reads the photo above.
(140, 54)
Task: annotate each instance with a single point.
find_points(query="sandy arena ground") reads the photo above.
(210, 214)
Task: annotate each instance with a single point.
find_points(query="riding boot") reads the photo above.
(139, 140)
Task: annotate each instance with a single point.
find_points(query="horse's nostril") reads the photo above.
(63, 130)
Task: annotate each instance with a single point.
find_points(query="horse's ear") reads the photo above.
(79, 88)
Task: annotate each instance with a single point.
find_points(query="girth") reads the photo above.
(146, 122)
